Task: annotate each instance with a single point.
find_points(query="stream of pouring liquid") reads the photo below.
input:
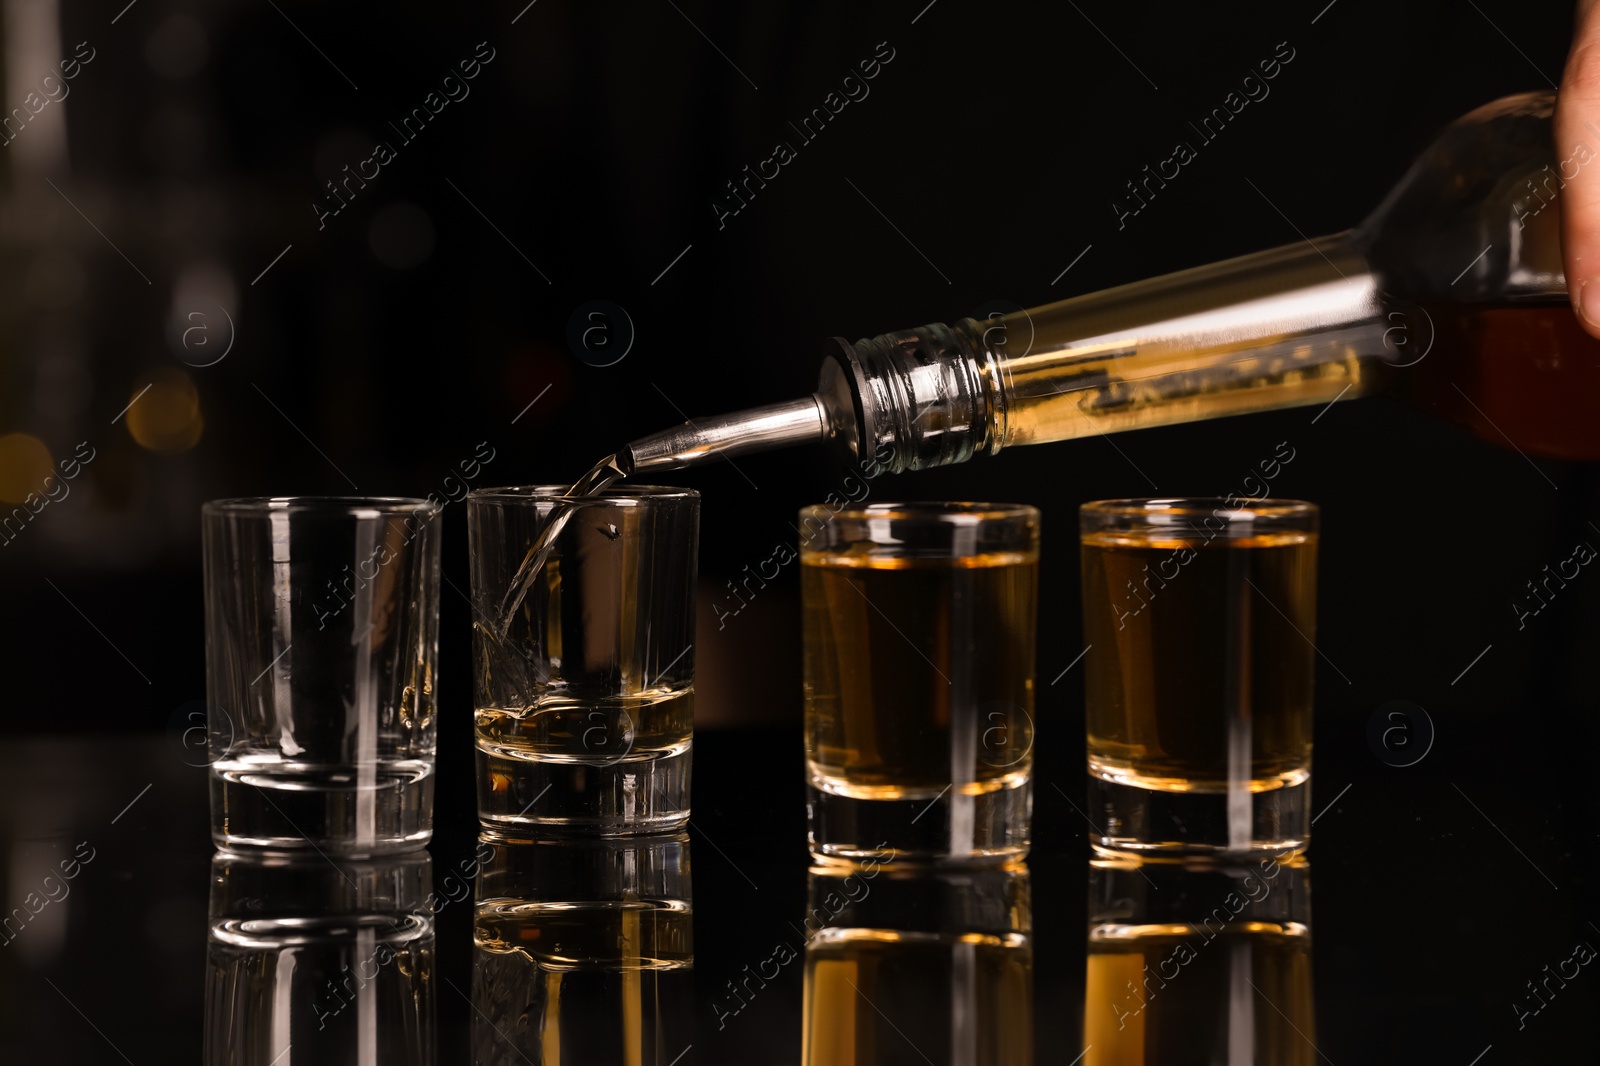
(600, 477)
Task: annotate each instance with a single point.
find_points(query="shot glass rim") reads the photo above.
(616, 495)
(349, 505)
(1160, 512)
(952, 512)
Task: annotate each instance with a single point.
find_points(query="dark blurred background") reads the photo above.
(175, 207)
(168, 240)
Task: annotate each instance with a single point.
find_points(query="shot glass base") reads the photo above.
(317, 809)
(643, 793)
(1153, 824)
(947, 828)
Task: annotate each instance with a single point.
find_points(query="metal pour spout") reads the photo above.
(700, 440)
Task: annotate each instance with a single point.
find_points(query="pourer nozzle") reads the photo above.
(700, 440)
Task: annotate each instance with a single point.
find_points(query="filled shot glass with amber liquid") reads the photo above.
(919, 623)
(1199, 617)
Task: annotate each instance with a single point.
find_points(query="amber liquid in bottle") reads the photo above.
(1519, 373)
(1060, 396)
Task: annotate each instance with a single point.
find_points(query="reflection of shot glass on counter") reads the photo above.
(583, 631)
(313, 960)
(583, 950)
(1192, 966)
(1198, 618)
(322, 619)
(918, 965)
(919, 675)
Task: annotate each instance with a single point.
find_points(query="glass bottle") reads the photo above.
(1451, 293)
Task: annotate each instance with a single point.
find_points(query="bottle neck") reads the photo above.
(1298, 325)
(914, 398)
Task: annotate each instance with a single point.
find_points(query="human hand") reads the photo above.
(1578, 122)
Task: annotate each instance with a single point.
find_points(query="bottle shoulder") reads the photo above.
(1476, 218)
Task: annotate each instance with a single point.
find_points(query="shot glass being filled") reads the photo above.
(920, 624)
(583, 655)
(1199, 617)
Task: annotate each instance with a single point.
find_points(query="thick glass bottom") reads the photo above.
(646, 792)
(330, 809)
(949, 827)
(1153, 823)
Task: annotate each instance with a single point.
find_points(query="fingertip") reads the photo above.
(1586, 303)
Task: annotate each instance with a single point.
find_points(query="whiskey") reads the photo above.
(1167, 665)
(1518, 372)
(919, 623)
(583, 653)
(918, 673)
(568, 717)
(596, 479)
(883, 997)
(596, 730)
(598, 733)
(1180, 994)
(1199, 617)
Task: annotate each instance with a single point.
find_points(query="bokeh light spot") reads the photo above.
(167, 417)
(24, 464)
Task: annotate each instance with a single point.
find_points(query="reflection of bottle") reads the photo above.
(1213, 967)
(1463, 256)
(583, 951)
(918, 967)
(332, 958)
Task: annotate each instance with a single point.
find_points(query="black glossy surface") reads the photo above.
(1427, 918)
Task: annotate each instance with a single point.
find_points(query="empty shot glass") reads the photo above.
(1199, 617)
(583, 655)
(919, 623)
(322, 620)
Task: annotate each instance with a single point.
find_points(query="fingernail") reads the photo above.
(1589, 303)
